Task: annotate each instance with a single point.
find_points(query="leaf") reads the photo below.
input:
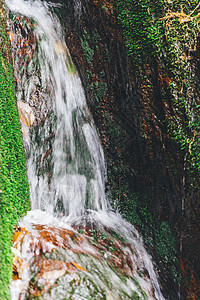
(11, 36)
(16, 236)
(78, 267)
(109, 296)
(59, 49)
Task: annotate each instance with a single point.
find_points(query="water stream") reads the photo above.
(65, 161)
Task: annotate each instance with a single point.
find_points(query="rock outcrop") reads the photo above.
(149, 178)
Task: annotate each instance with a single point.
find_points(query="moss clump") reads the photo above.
(168, 33)
(14, 190)
(139, 20)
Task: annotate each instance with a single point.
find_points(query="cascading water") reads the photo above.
(65, 161)
(78, 178)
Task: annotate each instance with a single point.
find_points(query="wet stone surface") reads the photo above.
(85, 263)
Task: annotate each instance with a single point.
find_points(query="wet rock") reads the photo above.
(26, 113)
(52, 269)
(56, 263)
(23, 41)
(19, 235)
(17, 267)
(27, 117)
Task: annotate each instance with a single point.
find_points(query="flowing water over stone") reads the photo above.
(67, 175)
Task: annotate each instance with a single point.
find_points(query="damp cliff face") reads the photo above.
(148, 127)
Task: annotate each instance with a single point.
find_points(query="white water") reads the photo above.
(75, 190)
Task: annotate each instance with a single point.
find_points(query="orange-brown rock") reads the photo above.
(52, 269)
(26, 113)
(18, 236)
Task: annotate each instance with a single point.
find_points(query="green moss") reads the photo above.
(139, 20)
(165, 243)
(87, 51)
(14, 193)
(90, 46)
(155, 29)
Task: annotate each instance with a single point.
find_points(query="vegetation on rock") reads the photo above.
(146, 109)
(162, 37)
(14, 191)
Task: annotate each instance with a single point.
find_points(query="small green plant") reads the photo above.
(87, 51)
(165, 243)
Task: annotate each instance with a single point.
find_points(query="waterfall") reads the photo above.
(78, 179)
(65, 161)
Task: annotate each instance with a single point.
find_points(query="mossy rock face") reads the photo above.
(164, 44)
(138, 96)
(14, 194)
